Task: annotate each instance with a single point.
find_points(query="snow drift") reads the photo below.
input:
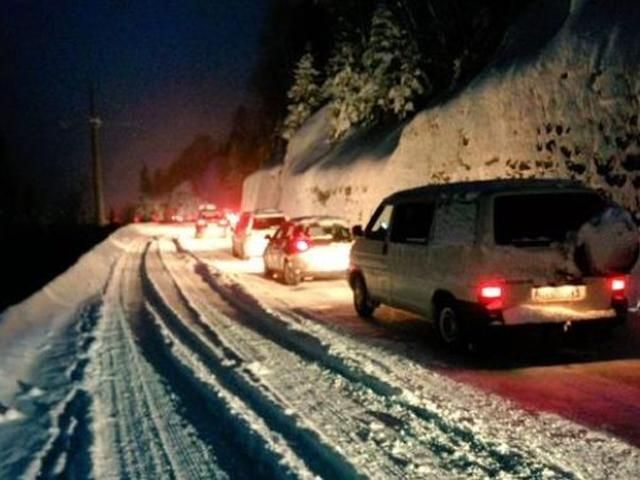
(26, 329)
(561, 99)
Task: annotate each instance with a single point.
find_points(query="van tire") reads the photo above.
(361, 300)
(450, 328)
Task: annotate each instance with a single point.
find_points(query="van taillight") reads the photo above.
(491, 295)
(618, 287)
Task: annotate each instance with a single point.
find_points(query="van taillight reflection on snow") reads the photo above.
(491, 295)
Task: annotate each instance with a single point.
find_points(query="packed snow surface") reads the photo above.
(157, 355)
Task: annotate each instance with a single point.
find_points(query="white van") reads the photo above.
(470, 255)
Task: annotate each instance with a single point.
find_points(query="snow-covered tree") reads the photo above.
(343, 84)
(391, 65)
(304, 95)
(381, 79)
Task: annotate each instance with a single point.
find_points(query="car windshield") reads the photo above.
(264, 223)
(539, 219)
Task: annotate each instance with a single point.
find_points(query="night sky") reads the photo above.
(164, 71)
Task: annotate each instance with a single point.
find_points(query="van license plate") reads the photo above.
(564, 293)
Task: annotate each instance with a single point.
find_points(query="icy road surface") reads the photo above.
(187, 363)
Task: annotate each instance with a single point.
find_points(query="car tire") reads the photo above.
(450, 328)
(361, 300)
(289, 275)
(268, 273)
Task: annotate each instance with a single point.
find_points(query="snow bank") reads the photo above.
(561, 98)
(27, 328)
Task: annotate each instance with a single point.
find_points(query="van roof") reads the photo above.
(486, 186)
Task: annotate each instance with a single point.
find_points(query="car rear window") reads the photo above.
(541, 219)
(328, 232)
(263, 223)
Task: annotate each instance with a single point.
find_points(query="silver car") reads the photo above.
(471, 255)
(250, 233)
(313, 246)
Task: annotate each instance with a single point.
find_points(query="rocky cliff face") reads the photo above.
(562, 99)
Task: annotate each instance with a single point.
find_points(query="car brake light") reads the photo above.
(491, 295)
(301, 245)
(618, 287)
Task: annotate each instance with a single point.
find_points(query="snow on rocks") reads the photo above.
(563, 105)
(8, 414)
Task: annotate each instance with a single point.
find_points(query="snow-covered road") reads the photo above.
(187, 363)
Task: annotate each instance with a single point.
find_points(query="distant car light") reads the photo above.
(233, 218)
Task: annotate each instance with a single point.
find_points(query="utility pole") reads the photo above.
(94, 126)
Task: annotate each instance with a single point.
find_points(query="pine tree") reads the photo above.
(391, 63)
(344, 83)
(304, 95)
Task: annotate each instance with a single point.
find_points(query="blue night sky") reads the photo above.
(164, 70)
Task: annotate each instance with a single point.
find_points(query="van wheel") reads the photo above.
(449, 326)
(289, 275)
(361, 300)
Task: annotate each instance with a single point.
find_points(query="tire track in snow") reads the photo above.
(409, 443)
(250, 444)
(545, 446)
(233, 372)
(139, 431)
(67, 451)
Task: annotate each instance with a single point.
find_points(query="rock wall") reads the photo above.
(560, 100)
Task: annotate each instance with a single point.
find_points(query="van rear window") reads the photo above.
(543, 218)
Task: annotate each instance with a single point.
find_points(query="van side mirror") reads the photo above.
(357, 231)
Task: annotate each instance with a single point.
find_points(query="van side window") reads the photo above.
(379, 224)
(455, 223)
(412, 222)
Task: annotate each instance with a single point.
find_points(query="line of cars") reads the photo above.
(467, 255)
(294, 249)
